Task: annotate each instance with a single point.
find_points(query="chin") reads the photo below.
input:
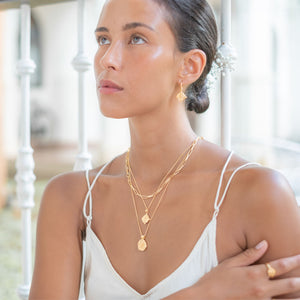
(113, 116)
(122, 110)
(113, 113)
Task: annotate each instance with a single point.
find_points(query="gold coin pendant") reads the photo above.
(146, 219)
(142, 245)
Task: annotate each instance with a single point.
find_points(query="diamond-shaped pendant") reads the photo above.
(142, 245)
(146, 219)
(181, 96)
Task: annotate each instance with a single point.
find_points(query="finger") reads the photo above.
(285, 265)
(249, 256)
(284, 286)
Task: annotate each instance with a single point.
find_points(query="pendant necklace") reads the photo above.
(162, 187)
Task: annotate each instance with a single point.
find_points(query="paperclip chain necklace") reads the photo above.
(162, 187)
(163, 183)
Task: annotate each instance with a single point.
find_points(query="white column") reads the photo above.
(225, 59)
(82, 64)
(25, 177)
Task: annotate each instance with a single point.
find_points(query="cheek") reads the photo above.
(154, 71)
(149, 76)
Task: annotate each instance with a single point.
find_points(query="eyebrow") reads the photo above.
(126, 27)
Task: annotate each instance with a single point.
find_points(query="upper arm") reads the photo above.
(271, 213)
(58, 243)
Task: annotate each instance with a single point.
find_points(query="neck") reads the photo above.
(156, 143)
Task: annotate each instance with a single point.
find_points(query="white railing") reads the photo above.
(25, 177)
(225, 59)
(82, 64)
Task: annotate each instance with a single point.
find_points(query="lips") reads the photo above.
(108, 87)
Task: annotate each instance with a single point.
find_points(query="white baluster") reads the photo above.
(225, 59)
(82, 64)
(25, 177)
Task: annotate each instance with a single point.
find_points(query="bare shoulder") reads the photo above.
(263, 188)
(253, 181)
(268, 210)
(64, 195)
(257, 189)
(63, 184)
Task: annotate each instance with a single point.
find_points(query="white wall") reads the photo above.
(266, 35)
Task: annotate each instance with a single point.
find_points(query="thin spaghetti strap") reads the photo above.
(221, 179)
(219, 203)
(89, 194)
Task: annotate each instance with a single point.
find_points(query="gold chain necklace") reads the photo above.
(164, 180)
(146, 218)
(142, 244)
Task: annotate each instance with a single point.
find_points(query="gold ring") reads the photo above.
(270, 271)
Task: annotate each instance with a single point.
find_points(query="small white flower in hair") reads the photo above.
(212, 77)
(225, 59)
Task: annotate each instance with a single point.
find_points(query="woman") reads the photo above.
(159, 217)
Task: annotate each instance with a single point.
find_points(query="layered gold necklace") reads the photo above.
(162, 187)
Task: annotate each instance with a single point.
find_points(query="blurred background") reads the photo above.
(265, 103)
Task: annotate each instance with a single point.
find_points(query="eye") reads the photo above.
(137, 40)
(102, 40)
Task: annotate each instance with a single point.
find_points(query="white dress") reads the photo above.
(102, 281)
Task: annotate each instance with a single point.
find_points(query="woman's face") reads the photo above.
(137, 61)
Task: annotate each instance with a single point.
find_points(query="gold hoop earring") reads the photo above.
(181, 96)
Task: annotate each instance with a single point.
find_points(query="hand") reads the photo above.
(236, 279)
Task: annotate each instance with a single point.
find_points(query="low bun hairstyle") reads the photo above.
(194, 26)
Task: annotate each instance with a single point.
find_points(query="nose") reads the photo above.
(112, 58)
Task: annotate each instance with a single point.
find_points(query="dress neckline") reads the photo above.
(168, 277)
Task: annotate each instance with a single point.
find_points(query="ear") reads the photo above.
(193, 65)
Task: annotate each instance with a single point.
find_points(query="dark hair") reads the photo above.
(194, 27)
